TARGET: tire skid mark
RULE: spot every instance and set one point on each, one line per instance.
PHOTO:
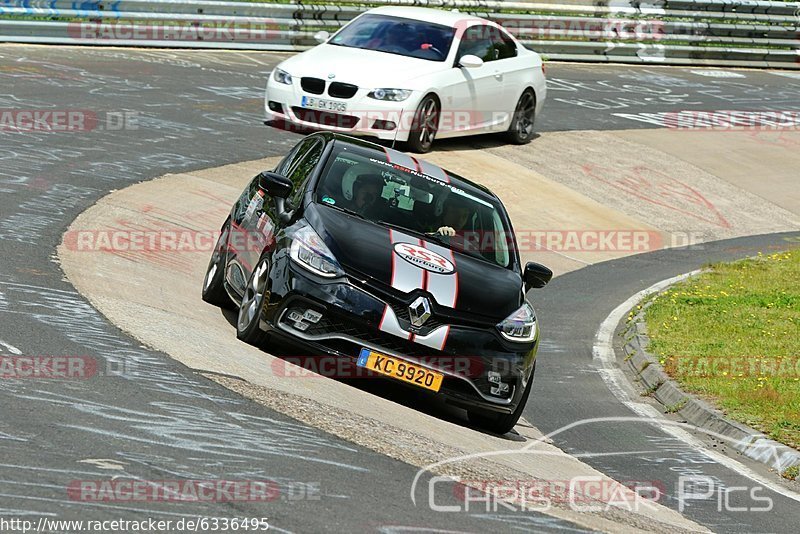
(667, 192)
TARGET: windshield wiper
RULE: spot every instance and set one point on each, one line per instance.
(347, 210)
(433, 236)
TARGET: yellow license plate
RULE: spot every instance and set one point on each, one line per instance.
(400, 369)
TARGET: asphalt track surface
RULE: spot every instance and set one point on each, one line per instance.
(572, 307)
(150, 418)
(158, 420)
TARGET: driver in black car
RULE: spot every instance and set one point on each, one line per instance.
(454, 217)
(366, 190)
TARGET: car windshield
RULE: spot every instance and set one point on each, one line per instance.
(394, 35)
(364, 183)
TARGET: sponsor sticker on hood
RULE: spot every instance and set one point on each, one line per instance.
(424, 258)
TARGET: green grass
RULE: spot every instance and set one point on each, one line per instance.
(791, 473)
(732, 336)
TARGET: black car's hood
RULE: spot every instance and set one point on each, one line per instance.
(366, 249)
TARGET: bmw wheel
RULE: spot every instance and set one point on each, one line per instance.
(521, 130)
(424, 126)
(214, 282)
(248, 327)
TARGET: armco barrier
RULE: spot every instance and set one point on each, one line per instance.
(684, 32)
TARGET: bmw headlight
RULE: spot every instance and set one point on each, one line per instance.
(281, 76)
(310, 252)
(520, 326)
(392, 95)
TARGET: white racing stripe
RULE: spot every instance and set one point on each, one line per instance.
(407, 278)
(432, 170)
(436, 339)
(397, 157)
(443, 287)
(390, 325)
(419, 165)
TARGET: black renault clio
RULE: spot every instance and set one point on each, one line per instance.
(356, 251)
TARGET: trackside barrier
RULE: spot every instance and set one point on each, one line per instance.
(684, 32)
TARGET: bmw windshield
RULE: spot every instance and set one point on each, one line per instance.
(362, 183)
(393, 35)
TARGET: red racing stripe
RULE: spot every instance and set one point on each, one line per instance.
(394, 259)
(416, 164)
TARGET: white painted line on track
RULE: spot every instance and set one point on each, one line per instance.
(603, 354)
(11, 348)
(257, 62)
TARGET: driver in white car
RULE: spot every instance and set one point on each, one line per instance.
(395, 39)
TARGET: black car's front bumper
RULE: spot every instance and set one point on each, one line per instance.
(350, 321)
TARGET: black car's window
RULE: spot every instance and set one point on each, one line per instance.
(289, 159)
(298, 152)
(300, 169)
(395, 35)
(364, 182)
(477, 41)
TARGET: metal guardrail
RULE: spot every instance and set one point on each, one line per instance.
(685, 32)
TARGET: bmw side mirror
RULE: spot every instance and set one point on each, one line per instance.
(274, 184)
(471, 62)
(321, 36)
(536, 275)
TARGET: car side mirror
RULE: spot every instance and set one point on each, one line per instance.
(274, 184)
(278, 187)
(471, 62)
(536, 275)
(321, 36)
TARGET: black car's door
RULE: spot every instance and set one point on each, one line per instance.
(255, 219)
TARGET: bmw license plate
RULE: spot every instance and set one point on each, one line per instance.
(400, 369)
(326, 105)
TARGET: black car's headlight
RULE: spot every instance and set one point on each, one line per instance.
(520, 326)
(393, 95)
(281, 76)
(310, 252)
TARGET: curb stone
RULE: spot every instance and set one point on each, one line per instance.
(748, 441)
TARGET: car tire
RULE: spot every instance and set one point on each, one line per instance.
(424, 125)
(501, 423)
(521, 130)
(256, 293)
(214, 281)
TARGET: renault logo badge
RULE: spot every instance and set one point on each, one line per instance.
(419, 311)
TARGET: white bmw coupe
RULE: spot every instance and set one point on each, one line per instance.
(412, 75)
